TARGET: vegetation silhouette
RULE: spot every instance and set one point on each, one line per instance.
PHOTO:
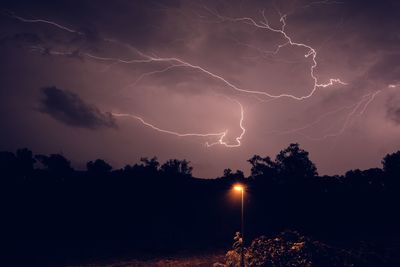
(54, 214)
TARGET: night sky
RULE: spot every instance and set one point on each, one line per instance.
(213, 82)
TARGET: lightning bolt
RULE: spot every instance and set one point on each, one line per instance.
(316, 121)
(311, 52)
(152, 126)
(175, 62)
(238, 139)
(369, 102)
(49, 22)
(221, 135)
(362, 104)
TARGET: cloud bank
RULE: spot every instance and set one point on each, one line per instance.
(68, 108)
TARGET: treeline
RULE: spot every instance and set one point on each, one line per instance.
(53, 213)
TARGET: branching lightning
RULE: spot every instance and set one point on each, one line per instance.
(238, 139)
(348, 120)
(264, 24)
(175, 62)
(361, 105)
(52, 23)
(221, 135)
(369, 102)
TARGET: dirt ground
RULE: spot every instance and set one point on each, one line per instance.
(177, 261)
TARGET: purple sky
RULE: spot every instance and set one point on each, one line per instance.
(187, 67)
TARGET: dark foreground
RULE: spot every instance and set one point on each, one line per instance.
(202, 260)
(53, 215)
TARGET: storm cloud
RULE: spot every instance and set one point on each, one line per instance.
(70, 109)
(98, 51)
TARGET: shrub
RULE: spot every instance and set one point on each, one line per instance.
(290, 249)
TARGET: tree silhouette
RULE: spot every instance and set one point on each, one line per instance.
(152, 206)
(263, 167)
(391, 163)
(391, 167)
(8, 166)
(151, 164)
(177, 168)
(293, 164)
(55, 163)
(98, 167)
(367, 180)
(229, 174)
(25, 161)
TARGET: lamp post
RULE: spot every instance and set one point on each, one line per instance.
(240, 188)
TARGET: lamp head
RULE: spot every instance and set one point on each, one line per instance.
(238, 187)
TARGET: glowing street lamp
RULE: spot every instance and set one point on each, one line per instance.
(240, 188)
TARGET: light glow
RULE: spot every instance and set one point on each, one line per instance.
(238, 187)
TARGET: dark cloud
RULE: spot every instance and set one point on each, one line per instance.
(357, 41)
(70, 109)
